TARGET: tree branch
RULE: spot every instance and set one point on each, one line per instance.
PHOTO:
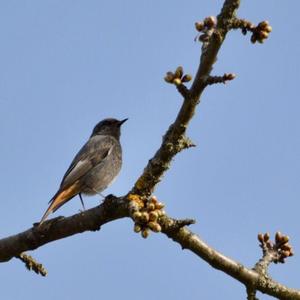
(171, 144)
(32, 264)
(58, 228)
(188, 240)
(114, 208)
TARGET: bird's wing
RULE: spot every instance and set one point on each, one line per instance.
(91, 154)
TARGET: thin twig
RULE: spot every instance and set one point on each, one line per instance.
(32, 264)
(114, 208)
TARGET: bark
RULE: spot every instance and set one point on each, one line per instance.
(173, 142)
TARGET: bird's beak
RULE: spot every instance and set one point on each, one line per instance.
(123, 121)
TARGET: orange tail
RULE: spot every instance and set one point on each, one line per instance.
(60, 198)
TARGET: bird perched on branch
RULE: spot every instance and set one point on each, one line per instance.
(94, 167)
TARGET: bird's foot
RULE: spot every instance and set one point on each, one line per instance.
(103, 197)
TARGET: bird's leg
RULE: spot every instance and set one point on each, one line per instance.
(81, 200)
(98, 193)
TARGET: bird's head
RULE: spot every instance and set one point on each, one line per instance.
(109, 126)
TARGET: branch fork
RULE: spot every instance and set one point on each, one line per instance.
(139, 204)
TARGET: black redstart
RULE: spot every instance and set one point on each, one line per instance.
(94, 167)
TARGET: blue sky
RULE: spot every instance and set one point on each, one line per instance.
(65, 65)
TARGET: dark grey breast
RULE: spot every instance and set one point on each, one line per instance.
(96, 165)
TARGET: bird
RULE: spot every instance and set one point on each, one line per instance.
(94, 167)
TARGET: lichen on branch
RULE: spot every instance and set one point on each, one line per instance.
(137, 203)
